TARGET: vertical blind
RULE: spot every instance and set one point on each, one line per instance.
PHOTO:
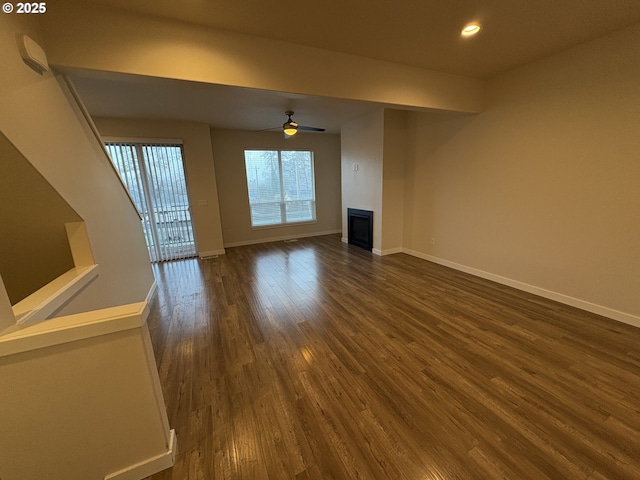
(154, 176)
(281, 186)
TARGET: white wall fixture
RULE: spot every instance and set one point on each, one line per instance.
(32, 54)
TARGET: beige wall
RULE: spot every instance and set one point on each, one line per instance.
(85, 36)
(35, 249)
(393, 180)
(377, 144)
(228, 155)
(362, 145)
(81, 398)
(199, 170)
(542, 188)
(38, 116)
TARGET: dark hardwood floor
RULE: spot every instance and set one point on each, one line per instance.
(317, 360)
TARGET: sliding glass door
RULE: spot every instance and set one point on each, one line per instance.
(154, 177)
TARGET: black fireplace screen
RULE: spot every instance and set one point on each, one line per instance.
(360, 223)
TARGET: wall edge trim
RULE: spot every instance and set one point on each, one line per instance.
(152, 291)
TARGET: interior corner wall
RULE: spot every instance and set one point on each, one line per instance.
(377, 144)
(199, 170)
(228, 154)
(37, 250)
(393, 173)
(541, 188)
(39, 116)
(362, 155)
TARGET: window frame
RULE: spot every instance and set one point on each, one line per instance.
(282, 203)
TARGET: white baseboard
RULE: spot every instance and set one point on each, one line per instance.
(280, 239)
(152, 292)
(542, 292)
(150, 466)
(388, 251)
(377, 251)
(212, 253)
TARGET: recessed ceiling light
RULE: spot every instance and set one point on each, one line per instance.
(470, 30)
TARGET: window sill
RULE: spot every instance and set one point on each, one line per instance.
(284, 225)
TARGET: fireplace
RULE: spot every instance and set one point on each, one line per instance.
(360, 224)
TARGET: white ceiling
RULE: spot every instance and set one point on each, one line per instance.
(422, 33)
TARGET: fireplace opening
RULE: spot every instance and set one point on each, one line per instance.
(360, 225)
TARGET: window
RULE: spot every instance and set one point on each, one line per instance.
(281, 186)
(154, 176)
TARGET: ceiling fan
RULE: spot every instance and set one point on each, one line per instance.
(290, 128)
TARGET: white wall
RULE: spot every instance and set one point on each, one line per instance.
(81, 399)
(377, 144)
(362, 145)
(228, 154)
(393, 180)
(542, 188)
(199, 170)
(37, 115)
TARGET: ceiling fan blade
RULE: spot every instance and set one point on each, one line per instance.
(310, 129)
(279, 127)
(292, 127)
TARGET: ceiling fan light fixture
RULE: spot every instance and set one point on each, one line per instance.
(470, 29)
(290, 128)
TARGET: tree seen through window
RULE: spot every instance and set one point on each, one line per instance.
(280, 186)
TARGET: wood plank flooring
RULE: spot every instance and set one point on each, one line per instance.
(317, 360)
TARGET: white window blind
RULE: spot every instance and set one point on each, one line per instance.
(281, 186)
(154, 176)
